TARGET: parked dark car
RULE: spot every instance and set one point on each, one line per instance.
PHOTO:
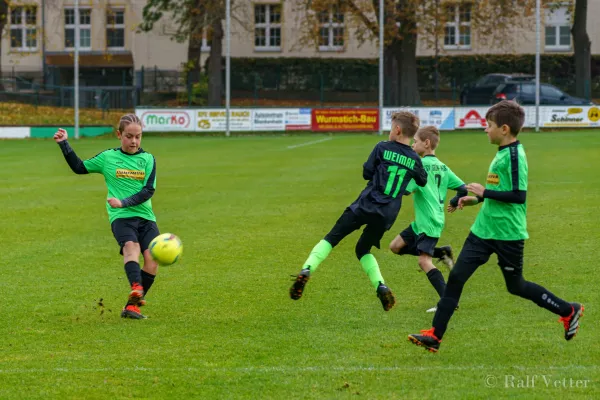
(524, 93)
(480, 92)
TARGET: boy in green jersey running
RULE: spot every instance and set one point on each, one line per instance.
(500, 228)
(130, 176)
(421, 236)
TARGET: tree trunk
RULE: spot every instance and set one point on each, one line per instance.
(390, 74)
(406, 56)
(195, 43)
(3, 21)
(215, 64)
(582, 45)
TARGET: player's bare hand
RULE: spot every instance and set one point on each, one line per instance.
(60, 135)
(476, 188)
(451, 209)
(467, 201)
(115, 203)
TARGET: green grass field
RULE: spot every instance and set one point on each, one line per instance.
(221, 323)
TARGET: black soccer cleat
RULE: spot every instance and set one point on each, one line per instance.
(426, 339)
(448, 256)
(571, 322)
(299, 282)
(386, 297)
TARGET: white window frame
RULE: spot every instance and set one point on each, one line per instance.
(115, 26)
(205, 45)
(330, 26)
(81, 27)
(556, 26)
(23, 27)
(267, 26)
(456, 23)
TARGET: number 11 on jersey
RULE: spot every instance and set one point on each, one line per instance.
(394, 172)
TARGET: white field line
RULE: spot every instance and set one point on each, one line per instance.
(309, 143)
(293, 370)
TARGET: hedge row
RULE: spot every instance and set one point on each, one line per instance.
(300, 74)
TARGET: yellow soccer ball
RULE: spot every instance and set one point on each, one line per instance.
(166, 248)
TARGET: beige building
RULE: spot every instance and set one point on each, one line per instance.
(41, 33)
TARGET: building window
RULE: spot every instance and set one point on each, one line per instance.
(206, 39)
(23, 30)
(85, 28)
(331, 29)
(267, 27)
(558, 29)
(457, 33)
(115, 28)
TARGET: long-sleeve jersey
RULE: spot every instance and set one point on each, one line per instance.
(130, 178)
(503, 215)
(391, 166)
(430, 200)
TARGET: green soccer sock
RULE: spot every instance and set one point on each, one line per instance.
(370, 266)
(317, 255)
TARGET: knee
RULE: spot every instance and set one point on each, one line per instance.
(396, 245)
(456, 278)
(361, 251)
(130, 248)
(515, 286)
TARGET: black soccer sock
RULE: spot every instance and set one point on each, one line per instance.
(147, 281)
(540, 296)
(437, 281)
(447, 305)
(133, 271)
(438, 252)
(445, 309)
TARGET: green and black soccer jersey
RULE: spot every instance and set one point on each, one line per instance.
(503, 215)
(130, 178)
(429, 200)
(391, 166)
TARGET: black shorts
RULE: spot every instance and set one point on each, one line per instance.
(351, 221)
(477, 251)
(417, 244)
(136, 229)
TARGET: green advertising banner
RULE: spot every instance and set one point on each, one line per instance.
(84, 131)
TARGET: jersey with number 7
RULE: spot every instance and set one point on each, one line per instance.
(429, 200)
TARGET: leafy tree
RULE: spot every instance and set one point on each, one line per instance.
(191, 18)
(492, 23)
(3, 21)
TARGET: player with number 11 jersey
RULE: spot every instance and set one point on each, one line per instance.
(390, 168)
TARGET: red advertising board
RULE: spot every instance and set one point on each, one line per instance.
(345, 119)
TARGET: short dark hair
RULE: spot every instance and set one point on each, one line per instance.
(429, 132)
(408, 121)
(507, 112)
(128, 119)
